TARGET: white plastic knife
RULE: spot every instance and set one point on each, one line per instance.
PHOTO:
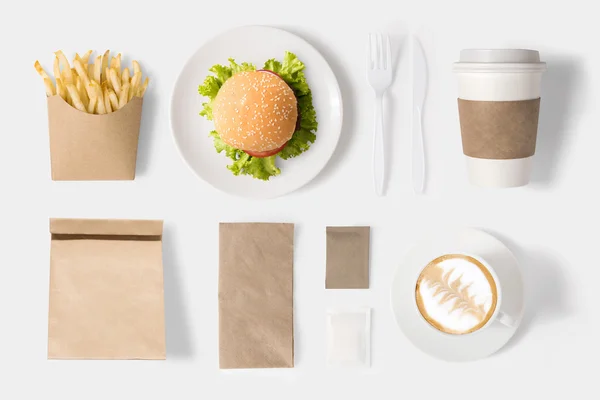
(419, 79)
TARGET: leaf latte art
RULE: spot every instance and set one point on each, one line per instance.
(456, 294)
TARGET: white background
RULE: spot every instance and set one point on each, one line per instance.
(551, 225)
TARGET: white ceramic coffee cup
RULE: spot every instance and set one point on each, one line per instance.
(499, 75)
(498, 316)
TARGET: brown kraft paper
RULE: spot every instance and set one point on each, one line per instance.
(499, 130)
(106, 290)
(256, 328)
(93, 147)
(347, 257)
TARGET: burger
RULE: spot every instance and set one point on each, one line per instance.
(259, 116)
(256, 112)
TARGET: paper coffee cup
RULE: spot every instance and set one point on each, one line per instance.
(499, 104)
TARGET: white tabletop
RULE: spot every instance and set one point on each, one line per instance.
(550, 225)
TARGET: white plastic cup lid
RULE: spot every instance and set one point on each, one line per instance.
(499, 60)
(499, 56)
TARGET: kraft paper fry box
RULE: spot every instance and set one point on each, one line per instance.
(92, 147)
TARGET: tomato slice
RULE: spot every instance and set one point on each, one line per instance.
(263, 154)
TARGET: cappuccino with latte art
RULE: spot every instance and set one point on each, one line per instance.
(456, 294)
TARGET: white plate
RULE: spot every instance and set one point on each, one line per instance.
(254, 44)
(457, 347)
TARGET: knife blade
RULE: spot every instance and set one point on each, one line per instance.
(419, 83)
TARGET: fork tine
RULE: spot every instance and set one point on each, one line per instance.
(388, 52)
(374, 50)
(380, 60)
(374, 53)
(370, 51)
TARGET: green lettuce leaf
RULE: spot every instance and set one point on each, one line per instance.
(244, 164)
(221, 146)
(259, 168)
(291, 70)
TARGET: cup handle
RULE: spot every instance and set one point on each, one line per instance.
(506, 319)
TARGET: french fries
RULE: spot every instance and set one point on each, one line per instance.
(115, 81)
(49, 87)
(98, 69)
(77, 103)
(86, 56)
(124, 96)
(107, 103)
(114, 100)
(94, 85)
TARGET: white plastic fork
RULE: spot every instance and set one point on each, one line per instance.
(379, 73)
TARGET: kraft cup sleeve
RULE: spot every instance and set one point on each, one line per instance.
(106, 290)
(499, 130)
(256, 317)
(93, 147)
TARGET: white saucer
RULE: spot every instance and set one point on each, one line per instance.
(457, 347)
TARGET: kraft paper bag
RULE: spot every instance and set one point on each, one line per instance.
(256, 328)
(348, 257)
(93, 147)
(499, 130)
(106, 290)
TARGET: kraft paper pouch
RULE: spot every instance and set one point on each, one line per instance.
(256, 328)
(348, 257)
(106, 290)
(499, 130)
(93, 147)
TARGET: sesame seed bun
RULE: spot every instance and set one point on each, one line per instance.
(255, 111)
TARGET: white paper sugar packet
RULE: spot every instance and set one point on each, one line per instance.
(349, 337)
